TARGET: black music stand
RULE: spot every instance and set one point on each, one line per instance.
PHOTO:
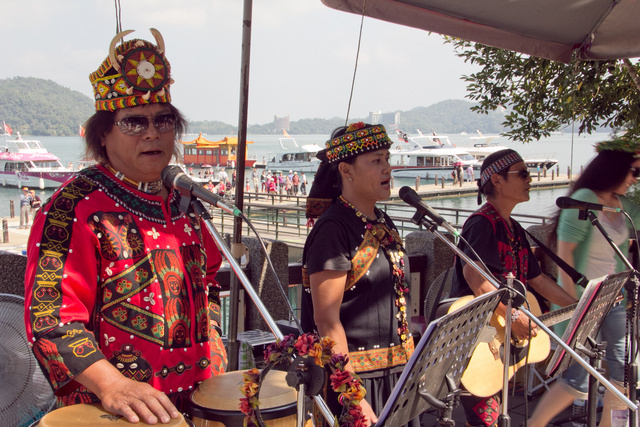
(432, 376)
(593, 307)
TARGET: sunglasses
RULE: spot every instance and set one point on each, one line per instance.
(138, 125)
(634, 171)
(522, 173)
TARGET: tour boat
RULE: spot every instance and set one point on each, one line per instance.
(428, 156)
(223, 153)
(300, 159)
(481, 150)
(26, 163)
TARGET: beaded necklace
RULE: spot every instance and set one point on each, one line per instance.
(391, 244)
(516, 246)
(146, 187)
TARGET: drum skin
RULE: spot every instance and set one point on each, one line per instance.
(216, 401)
(93, 415)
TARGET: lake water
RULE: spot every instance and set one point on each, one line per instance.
(571, 151)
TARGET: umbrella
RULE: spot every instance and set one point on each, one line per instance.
(595, 29)
(206, 166)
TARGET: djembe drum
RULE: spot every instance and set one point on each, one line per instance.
(84, 415)
(216, 401)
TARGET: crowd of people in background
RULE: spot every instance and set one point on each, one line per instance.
(291, 184)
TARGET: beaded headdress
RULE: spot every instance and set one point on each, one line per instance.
(135, 73)
(357, 139)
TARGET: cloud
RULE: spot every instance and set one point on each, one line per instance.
(302, 55)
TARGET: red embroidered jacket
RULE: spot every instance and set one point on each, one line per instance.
(113, 274)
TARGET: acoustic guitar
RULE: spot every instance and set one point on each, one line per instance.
(483, 376)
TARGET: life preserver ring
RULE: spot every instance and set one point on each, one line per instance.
(398, 148)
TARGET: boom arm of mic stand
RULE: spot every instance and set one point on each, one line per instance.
(432, 227)
(246, 283)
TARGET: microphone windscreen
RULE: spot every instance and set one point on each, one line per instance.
(564, 202)
(405, 193)
(169, 174)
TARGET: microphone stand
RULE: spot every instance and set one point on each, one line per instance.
(632, 295)
(189, 202)
(419, 219)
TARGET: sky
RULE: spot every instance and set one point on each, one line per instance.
(302, 60)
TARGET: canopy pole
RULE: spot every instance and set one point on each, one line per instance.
(241, 155)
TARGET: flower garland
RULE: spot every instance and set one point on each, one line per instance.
(348, 384)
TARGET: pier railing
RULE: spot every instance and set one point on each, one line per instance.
(282, 217)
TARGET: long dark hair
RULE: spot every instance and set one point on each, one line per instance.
(605, 172)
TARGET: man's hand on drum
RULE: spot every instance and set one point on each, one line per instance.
(138, 401)
(132, 399)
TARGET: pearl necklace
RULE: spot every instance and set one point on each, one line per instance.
(146, 187)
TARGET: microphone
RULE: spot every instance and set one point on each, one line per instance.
(569, 203)
(412, 198)
(174, 177)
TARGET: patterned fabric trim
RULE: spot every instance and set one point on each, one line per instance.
(498, 166)
(54, 246)
(381, 358)
(116, 311)
(147, 209)
(363, 258)
(487, 411)
(512, 253)
(360, 263)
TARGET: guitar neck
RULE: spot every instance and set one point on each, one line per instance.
(557, 316)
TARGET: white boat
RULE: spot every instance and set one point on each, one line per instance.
(483, 146)
(481, 150)
(301, 158)
(25, 162)
(428, 156)
(542, 161)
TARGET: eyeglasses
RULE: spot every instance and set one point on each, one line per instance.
(635, 171)
(522, 173)
(138, 125)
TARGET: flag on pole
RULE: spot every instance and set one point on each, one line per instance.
(80, 130)
(7, 129)
(284, 132)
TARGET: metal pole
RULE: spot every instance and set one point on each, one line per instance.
(240, 160)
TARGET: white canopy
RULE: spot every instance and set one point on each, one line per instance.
(552, 29)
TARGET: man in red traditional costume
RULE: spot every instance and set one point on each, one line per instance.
(121, 303)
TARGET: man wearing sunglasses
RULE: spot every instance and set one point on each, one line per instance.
(122, 306)
(501, 244)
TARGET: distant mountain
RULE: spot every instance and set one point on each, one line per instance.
(452, 116)
(42, 107)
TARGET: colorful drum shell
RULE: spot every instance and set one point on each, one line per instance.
(94, 415)
(216, 402)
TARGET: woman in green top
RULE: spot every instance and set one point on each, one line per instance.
(604, 181)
